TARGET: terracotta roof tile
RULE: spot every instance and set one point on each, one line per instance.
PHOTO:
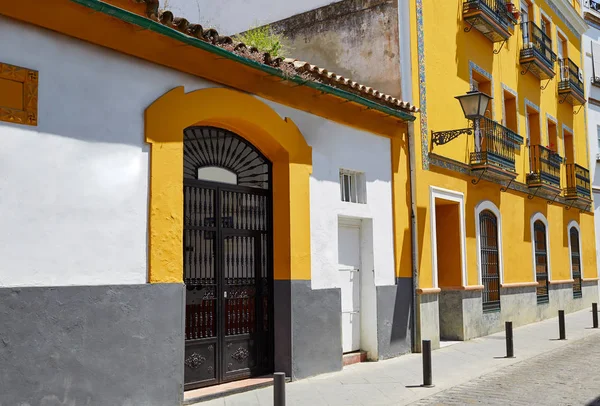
(305, 69)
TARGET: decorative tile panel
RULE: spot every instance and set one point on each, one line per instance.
(422, 94)
(18, 95)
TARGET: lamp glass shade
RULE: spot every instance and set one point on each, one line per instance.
(474, 103)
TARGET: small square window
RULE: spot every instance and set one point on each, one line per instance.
(353, 187)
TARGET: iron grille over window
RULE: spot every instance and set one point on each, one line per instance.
(490, 268)
(352, 186)
(575, 262)
(541, 261)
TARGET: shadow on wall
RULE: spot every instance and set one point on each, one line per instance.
(534, 206)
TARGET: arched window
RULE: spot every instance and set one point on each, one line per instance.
(540, 247)
(575, 260)
(490, 260)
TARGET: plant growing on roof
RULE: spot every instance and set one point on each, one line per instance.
(265, 40)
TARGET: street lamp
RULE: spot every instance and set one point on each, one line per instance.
(474, 105)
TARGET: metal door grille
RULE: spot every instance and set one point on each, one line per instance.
(575, 263)
(227, 260)
(541, 262)
(490, 264)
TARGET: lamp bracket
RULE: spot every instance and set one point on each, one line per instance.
(443, 137)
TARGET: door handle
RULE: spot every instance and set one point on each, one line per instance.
(351, 312)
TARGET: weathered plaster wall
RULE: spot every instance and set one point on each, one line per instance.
(358, 39)
(75, 188)
(239, 15)
(92, 345)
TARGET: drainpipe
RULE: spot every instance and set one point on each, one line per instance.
(405, 63)
(413, 234)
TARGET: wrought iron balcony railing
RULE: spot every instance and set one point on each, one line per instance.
(578, 182)
(493, 18)
(495, 146)
(545, 167)
(537, 52)
(570, 84)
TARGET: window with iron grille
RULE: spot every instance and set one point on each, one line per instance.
(353, 186)
(541, 261)
(490, 260)
(575, 262)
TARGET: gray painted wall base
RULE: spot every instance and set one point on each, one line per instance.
(394, 318)
(459, 314)
(316, 330)
(92, 345)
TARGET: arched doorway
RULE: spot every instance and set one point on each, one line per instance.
(227, 258)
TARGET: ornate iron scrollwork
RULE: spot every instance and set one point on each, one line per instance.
(443, 137)
(240, 354)
(195, 360)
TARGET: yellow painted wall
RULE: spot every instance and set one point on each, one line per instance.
(448, 51)
(448, 245)
(279, 139)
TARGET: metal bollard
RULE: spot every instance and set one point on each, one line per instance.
(595, 314)
(561, 325)
(510, 351)
(279, 389)
(426, 349)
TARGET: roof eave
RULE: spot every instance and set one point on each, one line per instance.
(159, 28)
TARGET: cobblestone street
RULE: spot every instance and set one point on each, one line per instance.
(546, 371)
(567, 376)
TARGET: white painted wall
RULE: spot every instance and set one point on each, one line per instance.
(336, 146)
(593, 120)
(233, 16)
(74, 189)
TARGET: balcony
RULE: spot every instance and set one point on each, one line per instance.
(536, 56)
(495, 147)
(578, 184)
(570, 87)
(490, 17)
(545, 169)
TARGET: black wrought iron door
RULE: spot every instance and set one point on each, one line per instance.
(227, 260)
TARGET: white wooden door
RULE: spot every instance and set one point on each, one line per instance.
(349, 276)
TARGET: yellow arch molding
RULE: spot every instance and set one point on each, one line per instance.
(279, 139)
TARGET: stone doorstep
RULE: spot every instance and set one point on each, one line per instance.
(354, 358)
(230, 388)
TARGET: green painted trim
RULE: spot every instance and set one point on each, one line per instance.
(157, 27)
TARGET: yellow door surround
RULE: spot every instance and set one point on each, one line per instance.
(278, 139)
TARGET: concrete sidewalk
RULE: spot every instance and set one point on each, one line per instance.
(396, 381)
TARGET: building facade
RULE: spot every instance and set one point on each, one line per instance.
(507, 178)
(591, 54)
(190, 213)
(493, 187)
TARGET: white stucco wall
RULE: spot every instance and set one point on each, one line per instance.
(336, 146)
(233, 16)
(74, 189)
(593, 122)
